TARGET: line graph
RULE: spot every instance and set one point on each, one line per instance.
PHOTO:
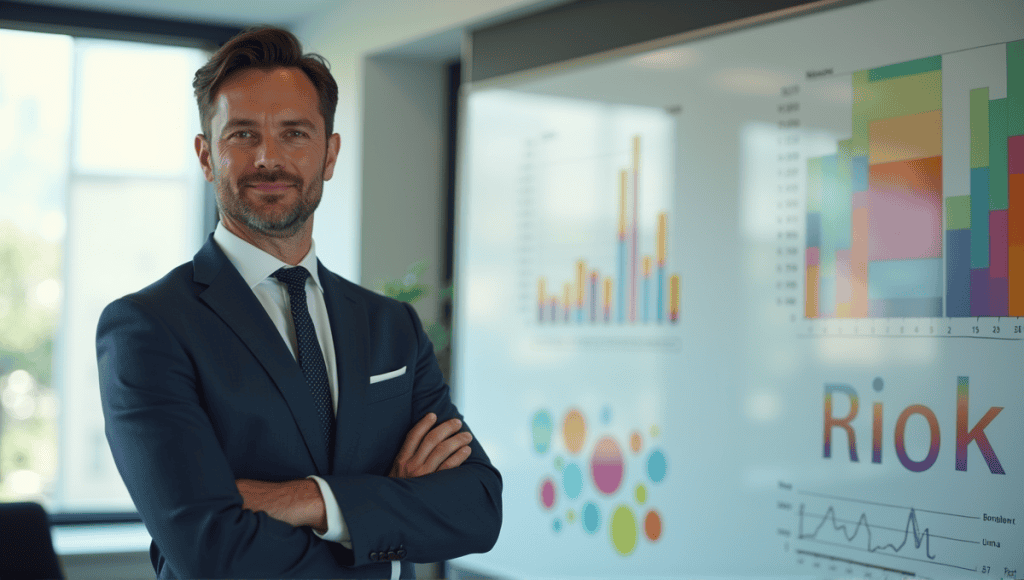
(884, 529)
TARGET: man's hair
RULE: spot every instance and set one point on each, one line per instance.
(264, 48)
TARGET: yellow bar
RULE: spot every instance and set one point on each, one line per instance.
(608, 292)
(623, 178)
(581, 281)
(673, 294)
(568, 296)
(660, 242)
(647, 266)
(541, 294)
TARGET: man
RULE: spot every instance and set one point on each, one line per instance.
(269, 418)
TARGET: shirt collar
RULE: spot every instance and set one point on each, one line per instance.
(254, 264)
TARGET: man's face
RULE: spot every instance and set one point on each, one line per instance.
(267, 155)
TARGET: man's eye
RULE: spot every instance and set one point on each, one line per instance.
(242, 134)
(298, 133)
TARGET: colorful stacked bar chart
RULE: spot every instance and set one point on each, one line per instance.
(652, 299)
(874, 212)
(985, 227)
(876, 242)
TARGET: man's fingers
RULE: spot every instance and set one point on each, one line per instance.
(436, 436)
(415, 436)
(446, 449)
(456, 458)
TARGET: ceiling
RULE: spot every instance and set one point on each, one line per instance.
(226, 12)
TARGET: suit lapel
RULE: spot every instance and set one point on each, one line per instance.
(351, 333)
(234, 302)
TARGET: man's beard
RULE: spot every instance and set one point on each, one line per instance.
(230, 201)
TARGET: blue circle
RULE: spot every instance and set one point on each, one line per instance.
(541, 431)
(572, 480)
(656, 466)
(591, 517)
(606, 415)
(878, 384)
(557, 525)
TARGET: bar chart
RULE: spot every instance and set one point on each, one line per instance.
(641, 291)
(887, 236)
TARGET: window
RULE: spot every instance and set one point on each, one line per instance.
(102, 196)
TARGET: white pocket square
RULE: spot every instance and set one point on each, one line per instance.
(386, 376)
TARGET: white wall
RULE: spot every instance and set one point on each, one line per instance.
(346, 35)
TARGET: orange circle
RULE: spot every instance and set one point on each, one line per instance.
(636, 442)
(652, 526)
(574, 430)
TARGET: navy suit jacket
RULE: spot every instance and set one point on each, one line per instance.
(199, 389)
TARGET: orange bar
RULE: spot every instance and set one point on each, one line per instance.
(673, 293)
(660, 241)
(541, 292)
(811, 289)
(647, 266)
(908, 137)
(636, 153)
(1016, 243)
(607, 293)
(581, 281)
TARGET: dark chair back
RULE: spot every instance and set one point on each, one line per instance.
(26, 550)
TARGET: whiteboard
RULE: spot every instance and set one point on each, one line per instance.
(752, 304)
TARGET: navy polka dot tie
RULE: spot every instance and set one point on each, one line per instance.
(311, 358)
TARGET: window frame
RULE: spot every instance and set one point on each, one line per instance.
(84, 23)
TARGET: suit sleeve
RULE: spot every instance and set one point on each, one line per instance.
(435, 517)
(168, 454)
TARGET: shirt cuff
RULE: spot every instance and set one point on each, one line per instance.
(337, 530)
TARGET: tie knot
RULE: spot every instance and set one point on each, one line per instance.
(295, 277)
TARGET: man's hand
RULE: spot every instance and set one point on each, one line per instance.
(297, 502)
(424, 453)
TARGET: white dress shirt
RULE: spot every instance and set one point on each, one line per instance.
(256, 267)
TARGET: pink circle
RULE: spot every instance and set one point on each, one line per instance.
(547, 493)
(606, 466)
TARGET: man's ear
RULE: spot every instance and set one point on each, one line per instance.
(203, 152)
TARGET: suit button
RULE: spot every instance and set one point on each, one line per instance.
(401, 554)
(373, 556)
(392, 556)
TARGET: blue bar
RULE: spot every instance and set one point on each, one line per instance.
(814, 231)
(892, 279)
(906, 308)
(958, 273)
(661, 294)
(859, 173)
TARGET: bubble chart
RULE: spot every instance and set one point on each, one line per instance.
(574, 430)
(652, 525)
(542, 429)
(656, 466)
(636, 442)
(591, 517)
(641, 494)
(572, 480)
(606, 465)
(623, 530)
(547, 493)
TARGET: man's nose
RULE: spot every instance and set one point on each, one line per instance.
(268, 154)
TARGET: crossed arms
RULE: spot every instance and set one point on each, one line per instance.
(300, 503)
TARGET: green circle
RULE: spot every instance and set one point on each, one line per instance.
(570, 516)
(559, 464)
(623, 530)
(641, 494)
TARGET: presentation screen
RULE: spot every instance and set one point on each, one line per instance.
(752, 304)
